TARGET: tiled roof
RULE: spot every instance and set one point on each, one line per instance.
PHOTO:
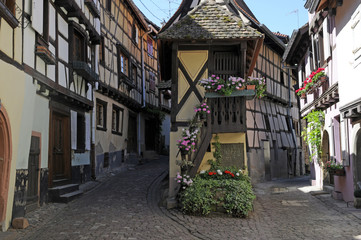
(210, 20)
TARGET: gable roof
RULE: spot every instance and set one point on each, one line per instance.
(209, 20)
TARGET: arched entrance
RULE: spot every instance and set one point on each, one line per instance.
(5, 159)
(357, 162)
(327, 179)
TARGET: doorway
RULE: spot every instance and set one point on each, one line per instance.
(327, 177)
(132, 134)
(357, 171)
(5, 159)
(59, 163)
(32, 197)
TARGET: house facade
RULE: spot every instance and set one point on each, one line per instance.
(14, 89)
(78, 98)
(126, 96)
(329, 41)
(224, 38)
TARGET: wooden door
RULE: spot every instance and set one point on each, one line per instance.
(5, 158)
(132, 134)
(60, 146)
(150, 135)
(33, 168)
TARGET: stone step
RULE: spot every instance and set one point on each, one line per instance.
(60, 190)
(68, 197)
(60, 182)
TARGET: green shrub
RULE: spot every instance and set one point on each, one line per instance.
(198, 198)
(235, 196)
(238, 199)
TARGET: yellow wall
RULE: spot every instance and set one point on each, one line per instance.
(223, 138)
(12, 96)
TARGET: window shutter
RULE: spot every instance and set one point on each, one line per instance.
(74, 119)
(136, 35)
(37, 16)
(87, 131)
(326, 39)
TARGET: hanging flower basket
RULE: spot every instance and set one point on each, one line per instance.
(340, 172)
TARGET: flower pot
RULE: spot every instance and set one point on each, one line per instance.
(241, 88)
(357, 202)
(340, 172)
(251, 87)
(303, 95)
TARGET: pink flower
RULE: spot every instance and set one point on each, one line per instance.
(204, 109)
(208, 111)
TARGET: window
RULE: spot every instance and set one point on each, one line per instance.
(80, 135)
(10, 4)
(318, 50)
(109, 5)
(151, 82)
(150, 46)
(101, 115)
(101, 51)
(135, 34)
(117, 120)
(356, 35)
(123, 64)
(134, 74)
(78, 47)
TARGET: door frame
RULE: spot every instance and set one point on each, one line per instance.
(4, 183)
(63, 111)
(38, 135)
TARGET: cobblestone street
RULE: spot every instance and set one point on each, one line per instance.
(126, 207)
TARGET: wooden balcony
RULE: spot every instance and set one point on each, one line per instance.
(44, 53)
(83, 69)
(228, 115)
(8, 15)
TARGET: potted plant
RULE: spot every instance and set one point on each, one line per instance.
(222, 86)
(335, 168)
(202, 110)
(188, 141)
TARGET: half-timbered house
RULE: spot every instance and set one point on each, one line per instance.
(59, 45)
(224, 38)
(126, 96)
(331, 40)
(14, 92)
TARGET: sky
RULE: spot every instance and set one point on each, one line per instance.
(278, 15)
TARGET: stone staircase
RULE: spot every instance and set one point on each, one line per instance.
(63, 191)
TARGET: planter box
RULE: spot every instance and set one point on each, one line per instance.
(249, 94)
(357, 202)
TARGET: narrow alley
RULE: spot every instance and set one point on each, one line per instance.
(126, 207)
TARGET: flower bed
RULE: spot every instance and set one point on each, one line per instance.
(203, 196)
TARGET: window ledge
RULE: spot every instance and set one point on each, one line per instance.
(117, 133)
(102, 128)
(8, 16)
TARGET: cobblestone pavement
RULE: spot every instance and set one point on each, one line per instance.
(125, 207)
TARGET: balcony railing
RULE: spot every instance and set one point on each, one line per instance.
(83, 69)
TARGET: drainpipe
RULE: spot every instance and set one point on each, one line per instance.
(143, 88)
(294, 138)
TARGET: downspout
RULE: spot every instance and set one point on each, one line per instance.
(294, 138)
(143, 89)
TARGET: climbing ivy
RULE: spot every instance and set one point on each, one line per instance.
(312, 133)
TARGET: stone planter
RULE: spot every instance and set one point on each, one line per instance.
(357, 202)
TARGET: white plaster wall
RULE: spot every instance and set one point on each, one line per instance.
(29, 39)
(41, 125)
(349, 75)
(63, 49)
(63, 26)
